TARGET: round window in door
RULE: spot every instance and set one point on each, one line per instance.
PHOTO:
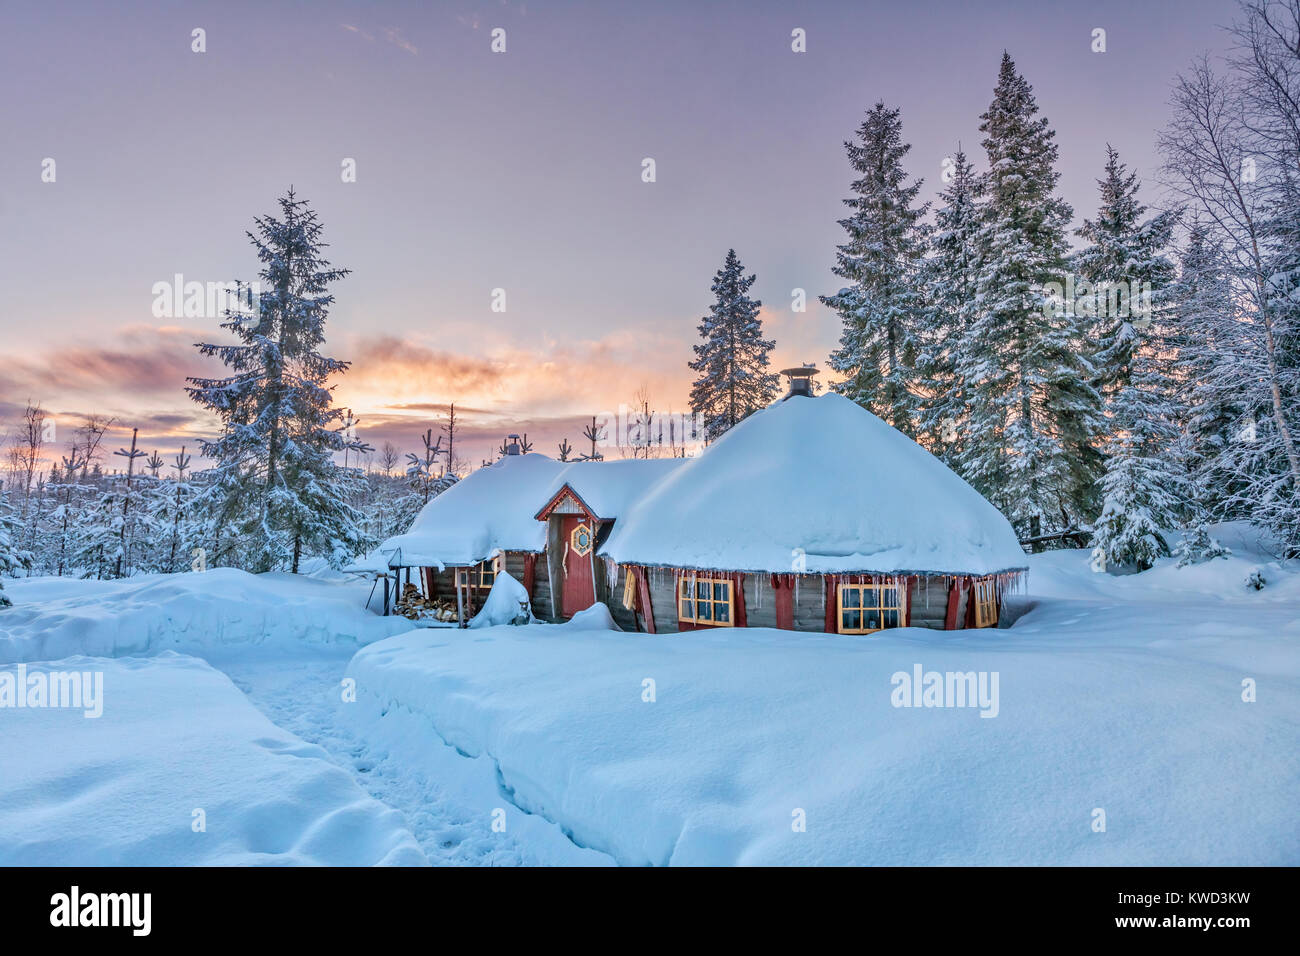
(580, 540)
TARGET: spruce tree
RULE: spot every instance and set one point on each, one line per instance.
(1034, 412)
(1144, 488)
(1204, 390)
(948, 279)
(1278, 499)
(278, 489)
(175, 516)
(1123, 297)
(882, 310)
(1127, 272)
(1198, 546)
(733, 358)
(10, 558)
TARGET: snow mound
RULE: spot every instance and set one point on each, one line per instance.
(822, 481)
(1104, 702)
(594, 618)
(176, 737)
(188, 612)
(1068, 574)
(506, 603)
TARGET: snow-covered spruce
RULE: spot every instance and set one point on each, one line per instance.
(1128, 278)
(948, 277)
(732, 361)
(1034, 412)
(10, 561)
(277, 491)
(1198, 546)
(881, 310)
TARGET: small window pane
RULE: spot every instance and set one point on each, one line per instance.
(871, 620)
(702, 590)
(688, 608)
(870, 597)
(719, 591)
(706, 611)
(889, 597)
(852, 597)
(852, 620)
(890, 618)
(722, 613)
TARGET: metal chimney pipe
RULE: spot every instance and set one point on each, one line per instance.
(800, 379)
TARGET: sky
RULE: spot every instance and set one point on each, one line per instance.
(479, 170)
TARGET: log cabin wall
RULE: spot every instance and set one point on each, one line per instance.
(543, 603)
(760, 601)
(809, 603)
(808, 599)
(929, 601)
(552, 567)
(928, 596)
(444, 584)
(663, 598)
(611, 592)
(514, 565)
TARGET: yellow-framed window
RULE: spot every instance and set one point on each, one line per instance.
(986, 604)
(702, 599)
(482, 576)
(581, 540)
(867, 608)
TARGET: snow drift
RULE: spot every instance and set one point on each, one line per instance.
(193, 612)
(178, 745)
(708, 747)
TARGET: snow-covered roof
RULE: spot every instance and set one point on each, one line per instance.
(490, 509)
(495, 508)
(817, 484)
(610, 488)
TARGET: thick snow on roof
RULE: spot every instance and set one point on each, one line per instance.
(610, 488)
(490, 509)
(822, 480)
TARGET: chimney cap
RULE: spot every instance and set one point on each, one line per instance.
(800, 378)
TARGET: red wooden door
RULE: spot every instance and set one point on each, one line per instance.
(578, 541)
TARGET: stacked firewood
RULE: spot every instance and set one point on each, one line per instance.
(415, 606)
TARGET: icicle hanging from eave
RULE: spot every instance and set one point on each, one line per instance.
(611, 575)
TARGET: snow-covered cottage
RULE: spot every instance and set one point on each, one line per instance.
(811, 515)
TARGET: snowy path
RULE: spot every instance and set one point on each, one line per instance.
(302, 695)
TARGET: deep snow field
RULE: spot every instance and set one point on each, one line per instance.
(308, 730)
